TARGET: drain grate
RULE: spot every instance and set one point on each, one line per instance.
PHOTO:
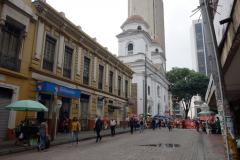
(163, 145)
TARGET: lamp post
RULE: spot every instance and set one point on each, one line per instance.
(145, 111)
(205, 108)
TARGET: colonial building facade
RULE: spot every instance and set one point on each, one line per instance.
(47, 55)
(135, 47)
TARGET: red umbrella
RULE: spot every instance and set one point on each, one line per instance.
(133, 115)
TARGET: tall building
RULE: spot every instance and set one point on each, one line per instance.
(137, 48)
(200, 62)
(152, 12)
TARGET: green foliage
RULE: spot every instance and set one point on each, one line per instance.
(186, 83)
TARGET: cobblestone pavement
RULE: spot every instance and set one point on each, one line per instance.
(123, 146)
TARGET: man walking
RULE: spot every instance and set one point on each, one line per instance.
(112, 124)
(131, 125)
(153, 123)
(178, 124)
(159, 123)
(96, 118)
(141, 125)
(183, 124)
(98, 128)
(197, 125)
(169, 125)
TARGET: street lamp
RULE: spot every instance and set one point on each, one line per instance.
(205, 108)
(146, 86)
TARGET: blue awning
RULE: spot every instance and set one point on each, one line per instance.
(50, 87)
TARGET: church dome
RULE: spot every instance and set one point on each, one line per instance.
(155, 41)
(135, 16)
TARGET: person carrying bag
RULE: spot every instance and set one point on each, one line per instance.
(76, 127)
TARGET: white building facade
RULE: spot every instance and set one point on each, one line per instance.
(136, 45)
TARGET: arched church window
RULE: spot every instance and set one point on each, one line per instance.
(139, 28)
(156, 50)
(130, 49)
(158, 91)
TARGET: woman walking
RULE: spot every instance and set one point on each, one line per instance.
(43, 132)
(76, 127)
(141, 125)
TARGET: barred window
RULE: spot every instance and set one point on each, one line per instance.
(119, 86)
(9, 47)
(126, 89)
(100, 77)
(86, 71)
(48, 58)
(111, 82)
(67, 62)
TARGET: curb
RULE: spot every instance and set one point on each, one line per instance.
(11, 151)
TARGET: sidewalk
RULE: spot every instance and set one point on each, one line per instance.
(9, 147)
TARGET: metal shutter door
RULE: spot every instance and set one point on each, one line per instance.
(4, 116)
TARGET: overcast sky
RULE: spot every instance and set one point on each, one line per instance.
(102, 19)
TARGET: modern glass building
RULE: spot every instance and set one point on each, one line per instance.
(200, 62)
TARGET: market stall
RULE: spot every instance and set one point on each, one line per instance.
(27, 130)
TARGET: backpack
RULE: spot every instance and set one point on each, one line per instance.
(141, 122)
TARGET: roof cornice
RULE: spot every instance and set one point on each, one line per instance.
(67, 25)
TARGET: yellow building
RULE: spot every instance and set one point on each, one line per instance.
(54, 56)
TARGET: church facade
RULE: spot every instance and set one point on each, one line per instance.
(135, 46)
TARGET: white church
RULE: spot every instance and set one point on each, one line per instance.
(134, 44)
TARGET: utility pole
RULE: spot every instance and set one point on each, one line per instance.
(145, 87)
(219, 83)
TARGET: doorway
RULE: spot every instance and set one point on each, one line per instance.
(84, 104)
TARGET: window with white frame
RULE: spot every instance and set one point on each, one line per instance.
(86, 70)
(10, 42)
(100, 77)
(111, 82)
(67, 64)
(130, 49)
(48, 57)
(119, 85)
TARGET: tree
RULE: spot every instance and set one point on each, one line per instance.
(186, 83)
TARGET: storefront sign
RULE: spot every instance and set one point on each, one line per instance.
(50, 87)
(100, 103)
(119, 103)
(167, 113)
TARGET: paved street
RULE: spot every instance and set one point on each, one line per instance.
(127, 146)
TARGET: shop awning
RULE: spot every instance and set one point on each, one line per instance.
(113, 107)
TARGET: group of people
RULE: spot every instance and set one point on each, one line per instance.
(43, 132)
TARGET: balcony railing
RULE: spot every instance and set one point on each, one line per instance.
(66, 73)
(11, 63)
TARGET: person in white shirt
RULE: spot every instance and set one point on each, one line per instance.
(127, 121)
(95, 121)
(112, 124)
(178, 124)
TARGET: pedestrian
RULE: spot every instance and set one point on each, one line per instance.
(163, 122)
(192, 127)
(76, 127)
(131, 125)
(43, 132)
(169, 125)
(197, 125)
(159, 123)
(63, 126)
(135, 123)
(66, 125)
(112, 124)
(127, 121)
(153, 124)
(95, 120)
(106, 123)
(141, 125)
(218, 126)
(183, 124)
(98, 127)
(178, 124)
